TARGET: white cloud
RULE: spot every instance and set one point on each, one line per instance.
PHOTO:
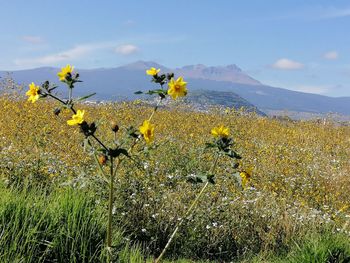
(287, 64)
(331, 55)
(33, 39)
(127, 49)
(67, 55)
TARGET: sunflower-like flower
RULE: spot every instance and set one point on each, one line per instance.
(33, 92)
(77, 118)
(147, 130)
(177, 88)
(152, 71)
(246, 177)
(64, 71)
(220, 131)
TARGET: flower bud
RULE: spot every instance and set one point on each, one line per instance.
(102, 159)
(57, 111)
(170, 76)
(114, 126)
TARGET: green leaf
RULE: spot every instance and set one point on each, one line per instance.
(85, 97)
(132, 132)
(210, 178)
(233, 154)
(201, 178)
(156, 91)
(210, 145)
(118, 151)
(196, 179)
(53, 88)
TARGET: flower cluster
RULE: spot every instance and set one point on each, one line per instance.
(176, 88)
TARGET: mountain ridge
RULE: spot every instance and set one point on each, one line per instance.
(121, 82)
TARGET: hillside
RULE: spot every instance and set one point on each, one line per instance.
(223, 98)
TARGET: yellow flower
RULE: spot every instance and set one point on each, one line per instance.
(152, 71)
(64, 71)
(177, 88)
(147, 130)
(77, 118)
(245, 176)
(220, 131)
(33, 92)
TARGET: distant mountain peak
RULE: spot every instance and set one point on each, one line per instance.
(233, 67)
(193, 67)
(142, 65)
(231, 73)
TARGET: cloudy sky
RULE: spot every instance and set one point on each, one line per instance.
(296, 44)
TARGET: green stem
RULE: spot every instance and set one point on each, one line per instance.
(70, 88)
(58, 99)
(155, 109)
(101, 143)
(75, 112)
(110, 212)
(188, 212)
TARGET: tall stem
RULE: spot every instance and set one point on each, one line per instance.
(110, 212)
(188, 212)
(155, 109)
(70, 94)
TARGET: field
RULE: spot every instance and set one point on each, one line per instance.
(53, 201)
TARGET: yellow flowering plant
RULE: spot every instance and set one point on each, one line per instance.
(65, 74)
(101, 151)
(112, 153)
(77, 118)
(220, 131)
(33, 93)
(152, 71)
(245, 177)
(222, 144)
(147, 130)
(177, 88)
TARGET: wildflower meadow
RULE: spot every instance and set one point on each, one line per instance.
(155, 180)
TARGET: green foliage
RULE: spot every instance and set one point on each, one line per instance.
(322, 248)
(65, 226)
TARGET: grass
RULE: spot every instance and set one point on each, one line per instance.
(61, 226)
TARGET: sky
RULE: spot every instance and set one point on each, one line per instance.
(302, 45)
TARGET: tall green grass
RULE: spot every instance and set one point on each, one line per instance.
(64, 226)
(61, 227)
(326, 248)
(67, 225)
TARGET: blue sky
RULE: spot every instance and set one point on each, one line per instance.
(299, 45)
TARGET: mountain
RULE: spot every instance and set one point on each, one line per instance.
(230, 73)
(122, 82)
(271, 98)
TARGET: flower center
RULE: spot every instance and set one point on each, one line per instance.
(149, 133)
